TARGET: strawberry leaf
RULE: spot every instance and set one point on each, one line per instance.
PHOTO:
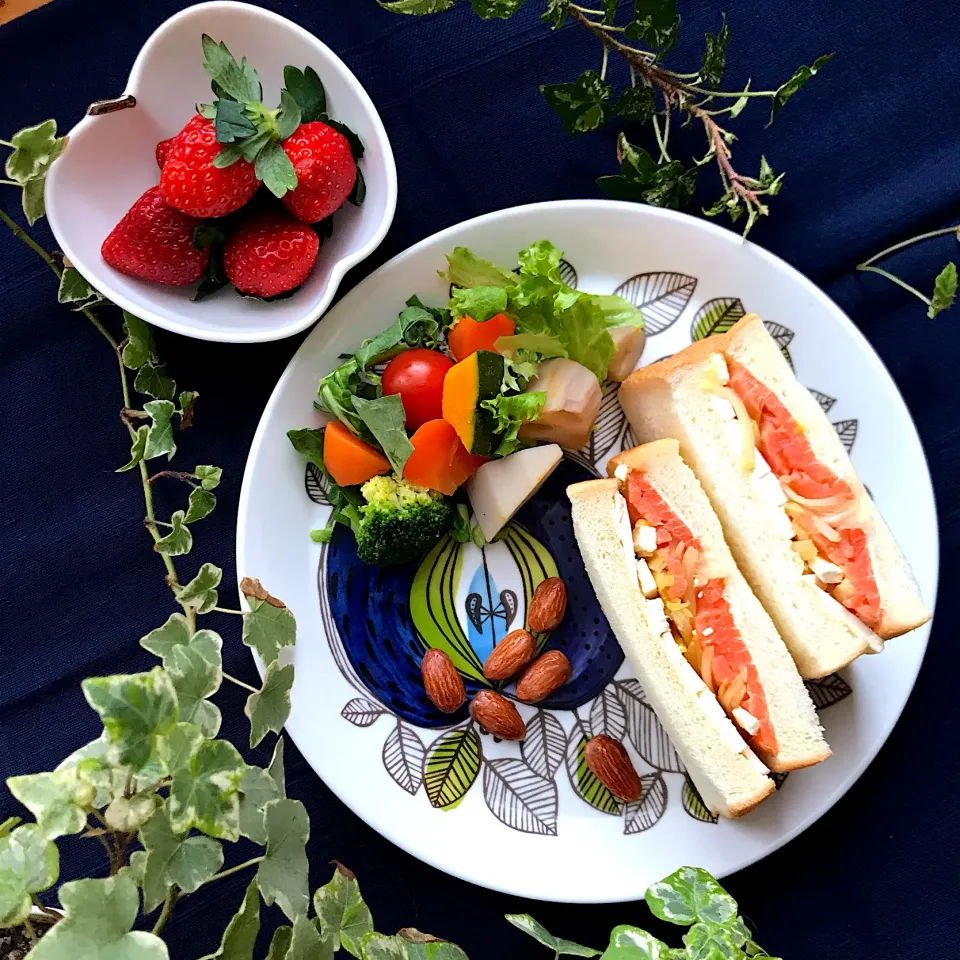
(288, 119)
(239, 80)
(356, 144)
(357, 194)
(306, 87)
(232, 123)
(275, 169)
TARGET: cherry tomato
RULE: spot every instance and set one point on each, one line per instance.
(417, 375)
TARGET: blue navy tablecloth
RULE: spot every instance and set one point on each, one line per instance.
(871, 152)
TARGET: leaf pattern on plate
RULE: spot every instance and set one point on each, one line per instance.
(847, 432)
(661, 297)
(545, 744)
(608, 428)
(568, 274)
(316, 485)
(607, 715)
(362, 712)
(642, 814)
(694, 805)
(825, 400)
(451, 767)
(649, 739)
(403, 755)
(520, 797)
(716, 316)
(827, 691)
(583, 781)
(782, 335)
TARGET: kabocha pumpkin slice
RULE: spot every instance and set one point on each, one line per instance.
(465, 387)
(349, 459)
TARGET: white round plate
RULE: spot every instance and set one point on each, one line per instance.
(429, 783)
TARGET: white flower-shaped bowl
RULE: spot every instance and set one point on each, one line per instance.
(110, 161)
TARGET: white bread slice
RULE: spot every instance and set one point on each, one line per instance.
(668, 399)
(799, 735)
(729, 782)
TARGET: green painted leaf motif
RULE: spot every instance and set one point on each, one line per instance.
(160, 434)
(688, 895)
(343, 915)
(58, 801)
(200, 504)
(716, 316)
(496, 9)
(29, 863)
(565, 948)
(208, 476)
(632, 943)
(98, 924)
(200, 593)
(694, 806)
(173, 858)
(257, 789)
(306, 942)
(280, 943)
(583, 105)
(135, 710)
(306, 87)
(204, 792)
(178, 541)
(137, 449)
(35, 149)
(282, 874)
(196, 672)
(533, 560)
(584, 782)
(268, 709)
(453, 763)
(786, 90)
(153, 381)
(416, 7)
(74, 288)
(138, 348)
(267, 628)
(240, 937)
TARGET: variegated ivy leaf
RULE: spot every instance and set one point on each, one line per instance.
(200, 504)
(257, 789)
(196, 671)
(98, 924)
(688, 895)
(135, 710)
(205, 791)
(178, 747)
(240, 937)
(269, 625)
(526, 923)
(632, 943)
(174, 858)
(91, 766)
(35, 149)
(306, 943)
(377, 946)
(137, 449)
(276, 769)
(59, 801)
(129, 814)
(74, 288)
(707, 941)
(160, 433)
(138, 348)
(152, 380)
(341, 911)
(8, 825)
(269, 708)
(280, 943)
(29, 863)
(179, 540)
(282, 873)
(201, 592)
(175, 632)
(188, 399)
(208, 476)
(32, 200)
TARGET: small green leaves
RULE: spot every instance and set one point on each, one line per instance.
(632, 943)
(787, 89)
(204, 791)
(384, 418)
(135, 710)
(268, 709)
(33, 202)
(75, 289)
(208, 476)
(240, 937)
(59, 801)
(29, 863)
(289, 117)
(306, 942)
(137, 449)
(269, 625)
(280, 943)
(715, 56)
(196, 672)
(128, 815)
(583, 105)
(707, 941)
(636, 104)
(187, 401)
(556, 13)
(656, 23)
(944, 290)
(416, 7)
(138, 347)
(561, 947)
(98, 924)
(232, 123)
(35, 149)
(274, 168)
(160, 434)
(257, 789)
(282, 873)
(178, 541)
(238, 80)
(8, 825)
(343, 916)
(496, 9)
(306, 88)
(688, 895)
(200, 504)
(642, 180)
(152, 380)
(201, 593)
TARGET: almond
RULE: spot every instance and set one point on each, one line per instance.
(611, 765)
(443, 683)
(548, 606)
(547, 673)
(510, 655)
(497, 715)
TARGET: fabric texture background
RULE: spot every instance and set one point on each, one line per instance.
(870, 151)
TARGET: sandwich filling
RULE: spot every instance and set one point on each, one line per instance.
(670, 563)
(822, 508)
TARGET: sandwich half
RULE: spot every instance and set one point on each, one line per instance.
(728, 774)
(802, 528)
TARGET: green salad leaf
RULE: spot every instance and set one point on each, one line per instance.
(417, 326)
(346, 501)
(384, 418)
(466, 269)
(479, 303)
(336, 392)
(511, 413)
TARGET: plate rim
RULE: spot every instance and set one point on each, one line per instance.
(776, 262)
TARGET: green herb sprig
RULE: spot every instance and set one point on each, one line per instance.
(656, 94)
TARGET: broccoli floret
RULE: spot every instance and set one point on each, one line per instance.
(400, 521)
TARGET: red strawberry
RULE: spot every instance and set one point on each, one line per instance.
(155, 242)
(191, 183)
(270, 254)
(163, 148)
(325, 170)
